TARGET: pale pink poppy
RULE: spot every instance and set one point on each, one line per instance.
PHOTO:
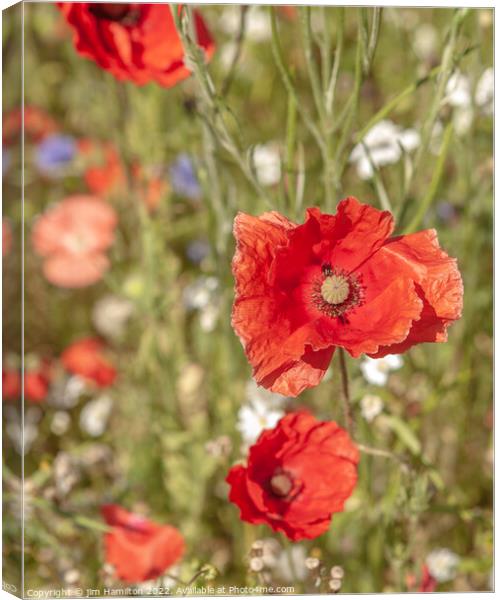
(73, 237)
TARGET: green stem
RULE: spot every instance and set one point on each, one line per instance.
(345, 393)
(447, 66)
(288, 83)
(332, 84)
(305, 21)
(436, 177)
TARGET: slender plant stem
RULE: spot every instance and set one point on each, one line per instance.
(226, 85)
(436, 178)
(382, 453)
(288, 83)
(346, 396)
(373, 40)
(447, 66)
(332, 84)
(215, 105)
(407, 91)
(326, 49)
(305, 21)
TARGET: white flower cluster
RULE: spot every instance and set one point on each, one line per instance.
(459, 95)
(376, 370)
(442, 564)
(384, 144)
(262, 410)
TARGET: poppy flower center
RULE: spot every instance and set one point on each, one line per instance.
(335, 289)
(281, 484)
(122, 13)
(336, 292)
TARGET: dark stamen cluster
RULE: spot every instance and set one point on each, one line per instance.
(354, 299)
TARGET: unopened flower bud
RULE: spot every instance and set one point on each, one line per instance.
(312, 563)
(337, 572)
(256, 564)
(335, 584)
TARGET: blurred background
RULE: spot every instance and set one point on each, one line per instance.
(167, 405)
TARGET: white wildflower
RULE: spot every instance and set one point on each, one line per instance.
(209, 315)
(199, 293)
(110, 315)
(425, 41)
(257, 25)
(297, 558)
(66, 391)
(458, 91)
(254, 417)
(267, 163)
(22, 439)
(382, 145)
(442, 564)
(371, 407)
(95, 414)
(60, 422)
(376, 370)
(256, 393)
(485, 91)
(66, 471)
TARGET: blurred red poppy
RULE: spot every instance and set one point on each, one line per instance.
(72, 237)
(87, 358)
(297, 475)
(336, 280)
(135, 42)
(11, 384)
(104, 173)
(37, 381)
(152, 186)
(427, 583)
(37, 125)
(138, 548)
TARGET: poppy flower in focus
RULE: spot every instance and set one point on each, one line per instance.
(297, 475)
(87, 358)
(135, 42)
(72, 238)
(104, 173)
(138, 548)
(336, 280)
(11, 384)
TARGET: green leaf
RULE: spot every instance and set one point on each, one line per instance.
(404, 433)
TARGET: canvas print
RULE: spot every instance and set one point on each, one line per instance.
(247, 299)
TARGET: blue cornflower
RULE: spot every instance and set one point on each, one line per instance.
(54, 153)
(183, 178)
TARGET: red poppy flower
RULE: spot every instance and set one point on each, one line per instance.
(104, 173)
(11, 384)
(139, 549)
(37, 381)
(87, 358)
(72, 237)
(136, 42)
(336, 280)
(152, 186)
(297, 475)
(427, 583)
(37, 125)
